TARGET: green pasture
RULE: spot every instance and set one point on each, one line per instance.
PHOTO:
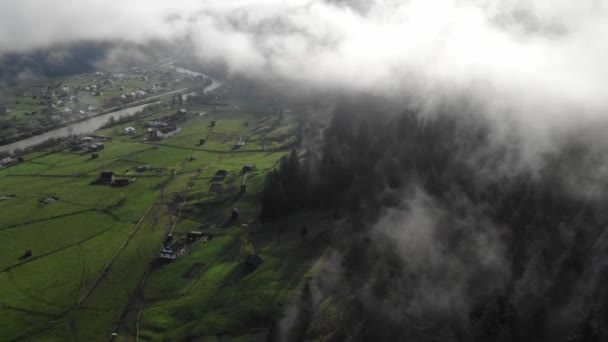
(92, 248)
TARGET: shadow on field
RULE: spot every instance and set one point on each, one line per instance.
(158, 263)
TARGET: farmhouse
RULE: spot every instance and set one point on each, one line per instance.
(8, 161)
(96, 147)
(106, 177)
(182, 111)
(248, 168)
(194, 236)
(49, 200)
(129, 131)
(172, 250)
(240, 142)
(167, 253)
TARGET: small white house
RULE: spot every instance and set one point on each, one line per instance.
(167, 253)
(129, 131)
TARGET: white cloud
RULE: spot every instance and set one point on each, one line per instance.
(539, 61)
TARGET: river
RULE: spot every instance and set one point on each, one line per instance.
(87, 126)
(92, 124)
(214, 83)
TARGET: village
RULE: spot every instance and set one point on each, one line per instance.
(43, 105)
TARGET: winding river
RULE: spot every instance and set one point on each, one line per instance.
(92, 124)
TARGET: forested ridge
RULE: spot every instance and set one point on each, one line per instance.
(444, 235)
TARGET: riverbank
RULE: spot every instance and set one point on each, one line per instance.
(82, 127)
(94, 122)
(146, 101)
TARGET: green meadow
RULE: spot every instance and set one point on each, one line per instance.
(93, 269)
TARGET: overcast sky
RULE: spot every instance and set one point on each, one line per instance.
(538, 61)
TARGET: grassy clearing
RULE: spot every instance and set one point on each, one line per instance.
(51, 235)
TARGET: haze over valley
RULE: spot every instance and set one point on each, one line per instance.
(326, 170)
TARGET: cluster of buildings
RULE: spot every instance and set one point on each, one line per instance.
(159, 127)
(55, 94)
(90, 144)
(108, 177)
(132, 96)
(172, 249)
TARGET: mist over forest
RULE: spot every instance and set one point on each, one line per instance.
(443, 236)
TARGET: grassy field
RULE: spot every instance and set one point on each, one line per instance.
(93, 268)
